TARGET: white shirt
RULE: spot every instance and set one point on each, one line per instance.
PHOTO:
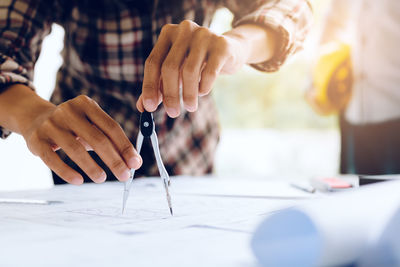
(373, 29)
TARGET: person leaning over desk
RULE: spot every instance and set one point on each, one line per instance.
(127, 56)
(370, 123)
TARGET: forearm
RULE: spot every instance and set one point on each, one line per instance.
(261, 42)
(19, 106)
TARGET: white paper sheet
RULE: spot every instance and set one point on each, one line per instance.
(358, 226)
(210, 217)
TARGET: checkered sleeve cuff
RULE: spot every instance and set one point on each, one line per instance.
(10, 73)
(290, 19)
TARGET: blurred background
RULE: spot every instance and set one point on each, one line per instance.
(268, 129)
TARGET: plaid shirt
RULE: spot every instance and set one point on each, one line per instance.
(105, 48)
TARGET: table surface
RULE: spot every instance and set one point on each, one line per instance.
(212, 224)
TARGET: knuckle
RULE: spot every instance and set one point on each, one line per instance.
(167, 28)
(113, 126)
(59, 113)
(99, 139)
(187, 24)
(210, 73)
(189, 71)
(83, 99)
(126, 149)
(170, 99)
(55, 120)
(117, 165)
(45, 130)
(66, 104)
(169, 68)
(47, 125)
(151, 62)
(93, 171)
(148, 89)
(222, 43)
(189, 96)
(77, 148)
(202, 32)
(69, 106)
(60, 117)
(64, 108)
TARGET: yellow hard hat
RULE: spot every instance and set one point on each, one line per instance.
(332, 79)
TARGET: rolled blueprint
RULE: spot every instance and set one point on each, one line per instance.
(361, 227)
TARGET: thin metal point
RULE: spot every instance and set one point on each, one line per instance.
(170, 210)
(125, 198)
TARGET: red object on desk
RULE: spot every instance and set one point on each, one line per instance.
(336, 183)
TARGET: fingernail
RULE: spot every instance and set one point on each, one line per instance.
(125, 176)
(102, 177)
(77, 181)
(190, 107)
(149, 104)
(135, 163)
(203, 93)
(172, 112)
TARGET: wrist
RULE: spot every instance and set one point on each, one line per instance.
(260, 42)
(20, 107)
(36, 112)
(241, 45)
(32, 110)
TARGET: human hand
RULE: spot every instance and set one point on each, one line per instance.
(76, 126)
(190, 56)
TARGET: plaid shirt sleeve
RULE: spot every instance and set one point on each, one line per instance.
(290, 19)
(23, 25)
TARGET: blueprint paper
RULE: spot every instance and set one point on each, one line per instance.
(211, 217)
